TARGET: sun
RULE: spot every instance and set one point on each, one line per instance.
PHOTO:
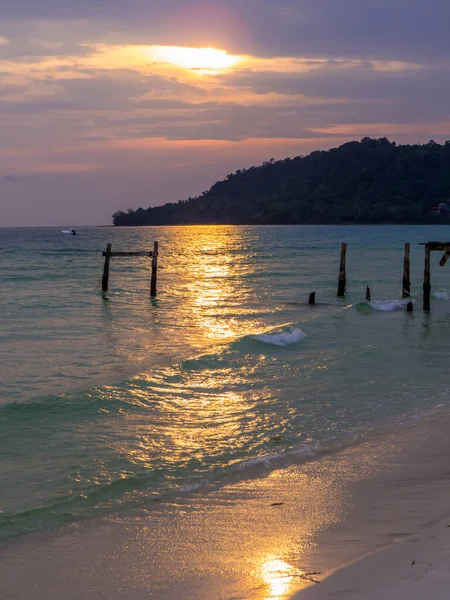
(202, 59)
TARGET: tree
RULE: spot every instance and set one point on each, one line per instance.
(371, 181)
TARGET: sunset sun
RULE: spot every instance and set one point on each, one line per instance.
(203, 59)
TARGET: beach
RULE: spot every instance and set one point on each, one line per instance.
(227, 440)
(290, 533)
(392, 574)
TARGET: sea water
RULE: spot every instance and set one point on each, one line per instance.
(113, 401)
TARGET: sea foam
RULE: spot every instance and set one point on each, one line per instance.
(388, 305)
(442, 295)
(269, 460)
(290, 335)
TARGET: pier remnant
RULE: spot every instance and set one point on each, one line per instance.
(105, 277)
(427, 279)
(445, 258)
(406, 282)
(430, 247)
(342, 271)
(154, 270)
(108, 254)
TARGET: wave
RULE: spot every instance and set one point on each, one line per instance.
(389, 305)
(269, 460)
(90, 400)
(139, 491)
(441, 295)
(289, 335)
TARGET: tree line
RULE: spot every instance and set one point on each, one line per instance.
(371, 181)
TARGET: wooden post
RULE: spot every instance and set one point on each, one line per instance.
(312, 298)
(406, 283)
(409, 307)
(105, 277)
(445, 258)
(368, 294)
(427, 279)
(154, 270)
(342, 280)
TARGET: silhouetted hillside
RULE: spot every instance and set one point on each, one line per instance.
(372, 181)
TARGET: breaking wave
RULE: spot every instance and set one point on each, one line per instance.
(389, 305)
(289, 335)
(442, 295)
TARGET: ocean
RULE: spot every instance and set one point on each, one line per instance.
(116, 401)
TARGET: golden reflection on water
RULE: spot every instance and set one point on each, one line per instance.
(215, 282)
(278, 575)
(198, 416)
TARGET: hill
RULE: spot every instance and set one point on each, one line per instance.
(371, 181)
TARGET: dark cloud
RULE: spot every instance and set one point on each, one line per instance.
(396, 29)
(398, 95)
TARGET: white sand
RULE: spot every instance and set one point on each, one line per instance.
(416, 569)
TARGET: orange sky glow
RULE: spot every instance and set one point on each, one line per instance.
(197, 96)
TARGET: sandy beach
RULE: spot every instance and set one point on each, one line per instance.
(414, 569)
(265, 538)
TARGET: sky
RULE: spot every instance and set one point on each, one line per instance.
(107, 105)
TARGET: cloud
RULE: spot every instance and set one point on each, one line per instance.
(386, 29)
(93, 97)
(85, 105)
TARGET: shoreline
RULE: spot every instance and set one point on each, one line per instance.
(411, 570)
(258, 538)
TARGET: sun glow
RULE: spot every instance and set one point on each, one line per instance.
(278, 576)
(202, 59)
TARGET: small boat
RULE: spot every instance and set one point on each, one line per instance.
(69, 231)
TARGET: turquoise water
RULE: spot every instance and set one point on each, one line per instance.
(110, 402)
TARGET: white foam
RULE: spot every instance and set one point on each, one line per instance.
(269, 459)
(388, 305)
(282, 338)
(264, 461)
(441, 295)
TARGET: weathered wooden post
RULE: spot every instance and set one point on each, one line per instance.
(312, 298)
(105, 277)
(445, 258)
(406, 283)
(427, 279)
(154, 270)
(342, 279)
(368, 294)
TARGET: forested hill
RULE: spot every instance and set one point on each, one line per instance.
(372, 181)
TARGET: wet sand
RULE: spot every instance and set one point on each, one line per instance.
(266, 537)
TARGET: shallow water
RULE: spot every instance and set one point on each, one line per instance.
(111, 402)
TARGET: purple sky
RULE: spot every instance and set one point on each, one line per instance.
(94, 118)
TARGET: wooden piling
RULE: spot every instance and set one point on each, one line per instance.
(312, 298)
(406, 283)
(427, 279)
(445, 258)
(154, 270)
(368, 294)
(342, 273)
(105, 277)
